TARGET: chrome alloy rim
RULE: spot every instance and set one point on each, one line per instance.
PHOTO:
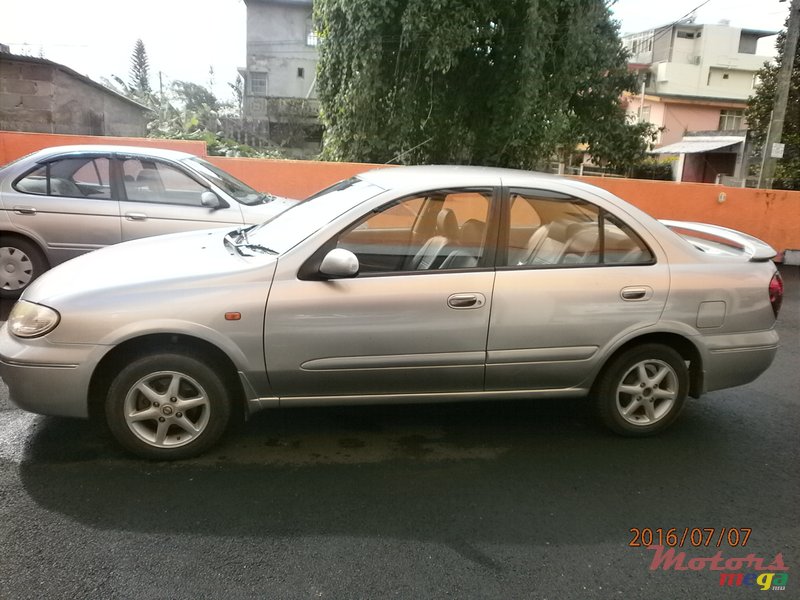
(167, 409)
(16, 268)
(647, 392)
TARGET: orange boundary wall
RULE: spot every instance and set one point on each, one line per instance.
(771, 215)
(14, 144)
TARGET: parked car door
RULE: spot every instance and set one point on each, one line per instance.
(413, 321)
(571, 277)
(160, 197)
(68, 204)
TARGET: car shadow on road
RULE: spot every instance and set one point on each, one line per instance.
(464, 475)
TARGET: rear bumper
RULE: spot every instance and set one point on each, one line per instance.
(737, 359)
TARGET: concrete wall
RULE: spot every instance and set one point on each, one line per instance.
(772, 215)
(721, 81)
(680, 118)
(41, 97)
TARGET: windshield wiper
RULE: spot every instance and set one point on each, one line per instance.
(241, 248)
(240, 235)
(238, 240)
(266, 197)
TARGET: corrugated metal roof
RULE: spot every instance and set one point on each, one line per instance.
(690, 145)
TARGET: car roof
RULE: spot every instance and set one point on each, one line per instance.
(447, 176)
(417, 178)
(108, 148)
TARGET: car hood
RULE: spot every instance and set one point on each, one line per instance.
(257, 213)
(160, 263)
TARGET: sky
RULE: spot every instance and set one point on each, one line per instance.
(184, 39)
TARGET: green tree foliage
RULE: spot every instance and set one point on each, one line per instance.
(493, 82)
(139, 76)
(184, 110)
(192, 112)
(195, 97)
(759, 111)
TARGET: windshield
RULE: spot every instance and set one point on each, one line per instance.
(291, 227)
(238, 189)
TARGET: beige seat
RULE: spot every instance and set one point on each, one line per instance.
(438, 246)
(148, 185)
(470, 245)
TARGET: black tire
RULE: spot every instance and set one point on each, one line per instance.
(167, 406)
(642, 390)
(21, 261)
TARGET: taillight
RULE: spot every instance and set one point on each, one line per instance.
(776, 293)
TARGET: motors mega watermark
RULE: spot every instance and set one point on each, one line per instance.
(748, 571)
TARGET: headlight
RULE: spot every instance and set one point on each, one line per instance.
(29, 320)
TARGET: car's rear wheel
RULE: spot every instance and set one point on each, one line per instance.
(167, 406)
(21, 262)
(643, 390)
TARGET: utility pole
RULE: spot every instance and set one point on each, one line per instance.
(781, 94)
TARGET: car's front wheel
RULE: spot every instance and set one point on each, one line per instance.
(643, 390)
(21, 262)
(167, 406)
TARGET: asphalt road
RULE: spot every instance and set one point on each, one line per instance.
(510, 500)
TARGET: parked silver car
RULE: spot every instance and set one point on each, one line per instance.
(60, 202)
(400, 285)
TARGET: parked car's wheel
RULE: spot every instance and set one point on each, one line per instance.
(643, 390)
(21, 262)
(167, 406)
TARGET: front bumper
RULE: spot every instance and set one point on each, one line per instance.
(45, 378)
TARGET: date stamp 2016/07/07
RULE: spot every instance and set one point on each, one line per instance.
(695, 537)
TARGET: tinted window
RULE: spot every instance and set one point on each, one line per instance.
(443, 230)
(152, 181)
(80, 177)
(551, 229)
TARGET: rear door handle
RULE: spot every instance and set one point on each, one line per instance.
(462, 301)
(133, 216)
(24, 210)
(636, 293)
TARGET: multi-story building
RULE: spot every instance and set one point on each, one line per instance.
(694, 84)
(280, 76)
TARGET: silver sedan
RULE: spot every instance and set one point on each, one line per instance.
(405, 285)
(60, 202)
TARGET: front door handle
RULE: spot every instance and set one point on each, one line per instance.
(462, 301)
(636, 293)
(134, 216)
(24, 210)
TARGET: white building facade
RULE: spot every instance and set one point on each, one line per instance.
(696, 78)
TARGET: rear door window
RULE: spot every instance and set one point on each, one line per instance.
(75, 177)
(549, 229)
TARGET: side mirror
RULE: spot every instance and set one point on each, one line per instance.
(211, 200)
(339, 263)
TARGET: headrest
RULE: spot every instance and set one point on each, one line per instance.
(147, 175)
(472, 232)
(447, 224)
(557, 231)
